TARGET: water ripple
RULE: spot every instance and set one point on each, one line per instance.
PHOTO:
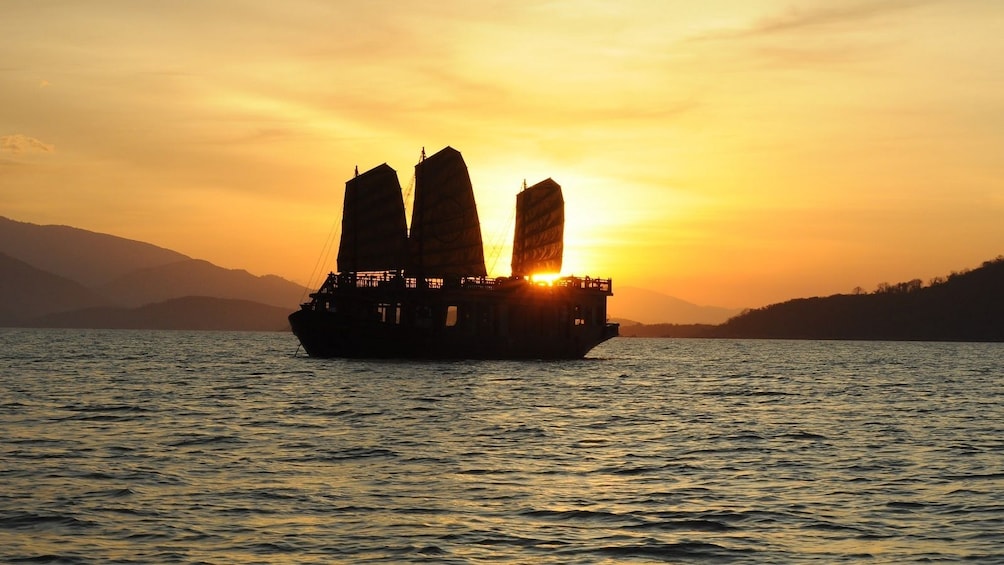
(188, 447)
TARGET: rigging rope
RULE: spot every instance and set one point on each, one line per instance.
(407, 195)
(499, 242)
(322, 259)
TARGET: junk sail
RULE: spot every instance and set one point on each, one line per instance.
(374, 232)
(540, 225)
(445, 238)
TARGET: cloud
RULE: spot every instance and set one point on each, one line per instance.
(832, 15)
(18, 144)
(826, 16)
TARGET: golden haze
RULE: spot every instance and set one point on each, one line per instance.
(731, 153)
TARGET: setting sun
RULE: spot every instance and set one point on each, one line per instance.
(545, 279)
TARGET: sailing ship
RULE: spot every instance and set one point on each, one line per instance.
(426, 293)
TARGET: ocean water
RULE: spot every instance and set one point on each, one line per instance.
(188, 447)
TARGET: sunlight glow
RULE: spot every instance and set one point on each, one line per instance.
(544, 278)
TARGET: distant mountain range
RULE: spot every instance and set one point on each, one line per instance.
(27, 292)
(193, 277)
(59, 276)
(86, 257)
(188, 313)
(631, 305)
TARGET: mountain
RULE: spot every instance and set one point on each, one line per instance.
(189, 313)
(649, 307)
(87, 257)
(966, 306)
(53, 275)
(668, 330)
(193, 277)
(27, 292)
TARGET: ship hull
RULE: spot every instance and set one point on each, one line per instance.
(483, 320)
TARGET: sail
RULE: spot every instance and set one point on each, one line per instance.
(374, 232)
(540, 227)
(445, 235)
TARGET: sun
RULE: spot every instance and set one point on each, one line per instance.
(544, 278)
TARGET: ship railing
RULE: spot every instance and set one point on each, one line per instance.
(396, 280)
(392, 279)
(358, 280)
(585, 283)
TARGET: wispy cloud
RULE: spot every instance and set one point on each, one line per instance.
(18, 144)
(828, 16)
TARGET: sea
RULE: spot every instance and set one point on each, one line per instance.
(214, 447)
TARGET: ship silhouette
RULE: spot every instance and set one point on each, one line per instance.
(426, 293)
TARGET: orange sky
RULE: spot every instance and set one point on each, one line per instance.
(733, 153)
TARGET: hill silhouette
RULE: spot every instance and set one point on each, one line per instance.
(667, 330)
(54, 275)
(87, 257)
(27, 292)
(966, 306)
(188, 313)
(194, 277)
(631, 304)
